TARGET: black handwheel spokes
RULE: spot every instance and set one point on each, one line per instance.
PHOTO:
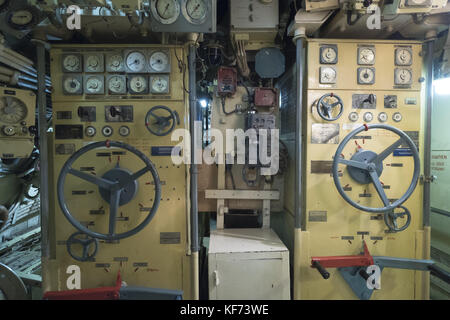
(325, 109)
(391, 219)
(89, 246)
(117, 186)
(161, 125)
(366, 166)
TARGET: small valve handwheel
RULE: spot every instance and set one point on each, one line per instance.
(326, 105)
(160, 125)
(366, 166)
(89, 245)
(114, 186)
(391, 219)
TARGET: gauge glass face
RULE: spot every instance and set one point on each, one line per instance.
(159, 61)
(93, 63)
(329, 55)
(94, 85)
(21, 17)
(366, 56)
(72, 63)
(403, 57)
(115, 62)
(167, 9)
(12, 110)
(136, 61)
(159, 84)
(327, 75)
(117, 84)
(138, 84)
(196, 9)
(403, 76)
(72, 85)
(366, 76)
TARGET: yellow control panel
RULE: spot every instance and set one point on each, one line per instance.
(353, 84)
(134, 96)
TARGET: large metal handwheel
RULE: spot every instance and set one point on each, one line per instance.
(115, 186)
(161, 125)
(325, 108)
(366, 167)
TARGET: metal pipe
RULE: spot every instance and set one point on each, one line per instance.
(427, 143)
(300, 69)
(43, 147)
(440, 211)
(194, 170)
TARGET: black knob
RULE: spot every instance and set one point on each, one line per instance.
(323, 272)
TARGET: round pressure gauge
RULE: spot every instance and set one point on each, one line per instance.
(366, 75)
(382, 117)
(403, 57)
(117, 84)
(403, 76)
(115, 63)
(159, 61)
(353, 117)
(94, 85)
(12, 110)
(72, 63)
(195, 11)
(159, 84)
(72, 85)
(165, 11)
(366, 56)
(328, 55)
(327, 75)
(93, 64)
(368, 116)
(138, 84)
(136, 61)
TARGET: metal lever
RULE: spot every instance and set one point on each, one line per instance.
(440, 273)
(323, 272)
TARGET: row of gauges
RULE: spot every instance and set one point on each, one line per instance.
(140, 61)
(115, 84)
(366, 56)
(168, 11)
(368, 117)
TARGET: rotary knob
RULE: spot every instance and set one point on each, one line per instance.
(9, 131)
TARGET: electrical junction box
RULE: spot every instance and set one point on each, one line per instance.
(127, 5)
(248, 14)
(248, 264)
(226, 81)
(266, 97)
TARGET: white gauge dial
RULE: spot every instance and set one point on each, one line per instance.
(366, 75)
(12, 110)
(94, 64)
(72, 63)
(366, 56)
(117, 84)
(115, 62)
(166, 11)
(403, 57)
(94, 85)
(196, 10)
(159, 61)
(138, 84)
(328, 55)
(403, 76)
(136, 61)
(159, 84)
(72, 85)
(327, 75)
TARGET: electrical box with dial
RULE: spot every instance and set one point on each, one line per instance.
(137, 84)
(114, 62)
(72, 84)
(72, 63)
(135, 61)
(403, 56)
(329, 54)
(94, 62)
(327, 75)
(94, 84)
(159, 84)
(366, 75)
(366, 55)
(117, 84)
(403, 76)
(159, 62)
